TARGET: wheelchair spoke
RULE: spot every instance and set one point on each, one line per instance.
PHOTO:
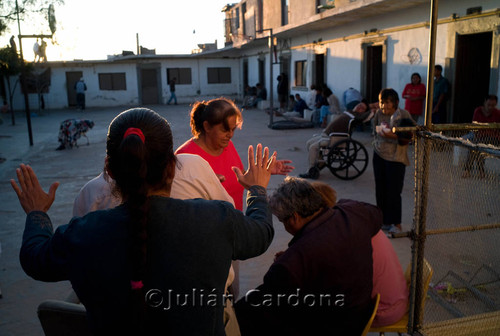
(347, 159)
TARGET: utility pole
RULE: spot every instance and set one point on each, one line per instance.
(271, 106)
(22, 79)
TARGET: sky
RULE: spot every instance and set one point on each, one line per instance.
(94, 29)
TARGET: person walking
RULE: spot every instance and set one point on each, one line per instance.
(172, 91)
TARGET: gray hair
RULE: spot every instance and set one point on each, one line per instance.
(295, 195)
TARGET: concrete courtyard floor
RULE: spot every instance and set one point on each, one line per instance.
(73, 168)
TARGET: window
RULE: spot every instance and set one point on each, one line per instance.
(237, 18)
(300, 73)
(183, 75)
(284, 12)
(260, 13)
(219, 75)
(243, 12)
(112, 81)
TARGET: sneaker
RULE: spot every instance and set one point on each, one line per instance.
(386, 227)
(392, 230)
(312, 173)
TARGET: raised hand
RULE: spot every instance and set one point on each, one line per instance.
(259, 168)
(282, 167)
(30, 193)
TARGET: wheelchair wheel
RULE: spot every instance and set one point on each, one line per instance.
(347, 159)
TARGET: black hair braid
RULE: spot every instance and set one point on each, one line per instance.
(133, 159)
(138, 164)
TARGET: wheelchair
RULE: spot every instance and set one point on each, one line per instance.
(345, 157)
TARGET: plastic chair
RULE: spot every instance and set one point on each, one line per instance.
(402, 325)
(376, 301)
(61, 318)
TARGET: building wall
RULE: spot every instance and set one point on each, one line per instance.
(199, 89)
(272, 13)
(344, 58)
(301, 10)
(404, 35)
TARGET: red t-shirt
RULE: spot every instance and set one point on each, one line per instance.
(480, 117)
(489, 136)
(414, 106)
(221, 165)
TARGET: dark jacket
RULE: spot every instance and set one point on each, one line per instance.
(321, 285)
(190, 245)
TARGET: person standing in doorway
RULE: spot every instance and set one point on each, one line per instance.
(282, 91)
(80, 88)
(172, 91)
(414, 93)
(440, 95)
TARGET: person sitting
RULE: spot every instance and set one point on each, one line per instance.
(300, 105)
(311, 96)
(261, 94)
(487, 113)
(322, 284)
(340, 124)
(319, 101)
(152, 242)
(351, 98)
(250, 97)
(388, 277)
(332, 106)
(291, 103)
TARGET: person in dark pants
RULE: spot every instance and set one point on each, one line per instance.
(390, 158)
(80, 88)
(440, 95)
(282, 91)
(172, 91)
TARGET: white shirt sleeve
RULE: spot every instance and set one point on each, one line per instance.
(194, 178)
(95, 195)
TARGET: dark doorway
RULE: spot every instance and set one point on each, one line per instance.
(472, 74)
(319, 69)
(149, 86)
(373, 64)
(285, 65)
(71, 78)
(245, 75)
(262, 72)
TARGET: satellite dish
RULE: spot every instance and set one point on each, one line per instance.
(52, 19)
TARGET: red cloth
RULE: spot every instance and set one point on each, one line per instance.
(488, 136)
(221, 165)
(480, 117)
(414, 106)
(389, 281)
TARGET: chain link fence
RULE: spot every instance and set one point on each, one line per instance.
(456, 231)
